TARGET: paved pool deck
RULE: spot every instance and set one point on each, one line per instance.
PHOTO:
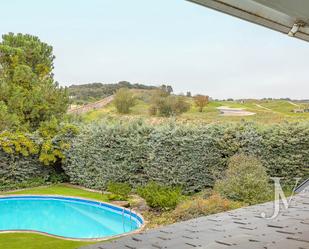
(238, 229)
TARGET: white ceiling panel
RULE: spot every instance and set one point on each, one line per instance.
(286, 16)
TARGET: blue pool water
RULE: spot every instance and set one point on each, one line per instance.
(66, 217)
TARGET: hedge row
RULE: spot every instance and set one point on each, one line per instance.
(30, 159)
(190, 156)
(17, 169)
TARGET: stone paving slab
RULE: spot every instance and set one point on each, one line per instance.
(238, 229)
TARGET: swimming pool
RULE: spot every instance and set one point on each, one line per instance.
(67, 217)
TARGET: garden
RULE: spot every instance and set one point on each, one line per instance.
(168, 172)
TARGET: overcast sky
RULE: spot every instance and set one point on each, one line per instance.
(163, 41)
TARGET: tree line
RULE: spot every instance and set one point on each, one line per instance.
(81, 94)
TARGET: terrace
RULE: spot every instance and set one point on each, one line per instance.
(241, 228)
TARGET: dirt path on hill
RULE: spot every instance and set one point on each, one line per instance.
(265, 108)
(293, 104)
(92, 106)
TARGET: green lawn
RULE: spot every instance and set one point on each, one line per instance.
(34, 241)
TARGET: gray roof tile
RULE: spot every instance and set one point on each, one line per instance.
(242, 229)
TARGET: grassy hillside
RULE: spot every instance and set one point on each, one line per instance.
(267, 111)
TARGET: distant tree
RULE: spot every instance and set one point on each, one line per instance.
(287, 99)
(167, 105)
(28, 93)
(124, 100)
(157, 100)
(189, 95)
(201, 101)
(179, 104)
(167, 88)
(125, 84)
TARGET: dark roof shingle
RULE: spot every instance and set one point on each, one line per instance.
(243, 228)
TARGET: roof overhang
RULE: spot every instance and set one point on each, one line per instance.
(287, 16)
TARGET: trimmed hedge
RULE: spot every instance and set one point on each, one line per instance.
(192, 157)
(17, 169)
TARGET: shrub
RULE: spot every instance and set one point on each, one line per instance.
(179, 105)
(57, 177)
(245, 180)
(25, 156)
(152, 110)
(172, 106)
(124, 100)
(160, 197)
(30, 183)
(54, 138)
(167, 105)
(198, 206)
(158, 219)
(16, 169)
(120, 191)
